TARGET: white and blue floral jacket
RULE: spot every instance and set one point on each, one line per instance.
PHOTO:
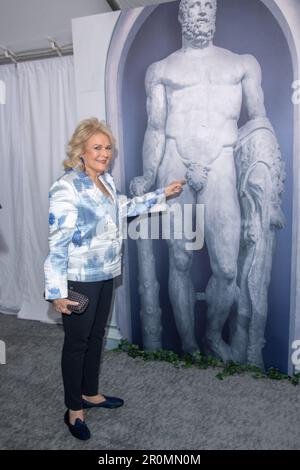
(85, 238)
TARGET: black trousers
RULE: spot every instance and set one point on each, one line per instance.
(82, 347)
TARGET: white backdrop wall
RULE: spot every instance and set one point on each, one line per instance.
(90, 53)
(35, 124)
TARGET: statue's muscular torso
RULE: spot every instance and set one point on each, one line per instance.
(203, 99)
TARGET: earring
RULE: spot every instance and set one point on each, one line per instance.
(82, 162)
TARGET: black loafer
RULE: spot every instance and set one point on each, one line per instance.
(79, 429)
(109, 402)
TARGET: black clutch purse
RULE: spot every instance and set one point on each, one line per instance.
(76, 296)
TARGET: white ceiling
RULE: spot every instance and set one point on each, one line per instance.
(137, 3)
(26, 24)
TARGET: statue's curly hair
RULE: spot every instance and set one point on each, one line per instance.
(184, 6)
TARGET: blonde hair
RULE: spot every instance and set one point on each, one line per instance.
(83, 132)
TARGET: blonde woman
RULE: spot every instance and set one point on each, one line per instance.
(85, 244)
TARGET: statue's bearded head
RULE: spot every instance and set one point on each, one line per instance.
(198, 20)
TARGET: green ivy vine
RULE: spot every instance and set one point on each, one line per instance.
(203, 362)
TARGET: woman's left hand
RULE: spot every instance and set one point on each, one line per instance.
(174, 189)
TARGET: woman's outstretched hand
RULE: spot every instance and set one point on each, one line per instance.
(175, 188)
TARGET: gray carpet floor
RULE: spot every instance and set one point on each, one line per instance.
(165, 407)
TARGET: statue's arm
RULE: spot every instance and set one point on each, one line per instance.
(263, 149)
(154, 140)
(253, 95)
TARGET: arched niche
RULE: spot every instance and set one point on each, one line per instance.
(127, 27)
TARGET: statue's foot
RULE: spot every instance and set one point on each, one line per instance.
(238, 347)
(255, 357)
(152, 345)
(191, 348)
(244, 353)
(239, 355)
(218, 349)
(238, 343)
(152, 338)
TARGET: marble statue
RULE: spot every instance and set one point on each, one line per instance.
(194, 100)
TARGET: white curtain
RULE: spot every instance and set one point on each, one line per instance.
(11, 195)
(35, 124)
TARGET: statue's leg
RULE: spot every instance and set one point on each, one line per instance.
(150, 312)
(222, 235)
(149, 293)
(181, 292)
(239, 322)
(181, 289)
